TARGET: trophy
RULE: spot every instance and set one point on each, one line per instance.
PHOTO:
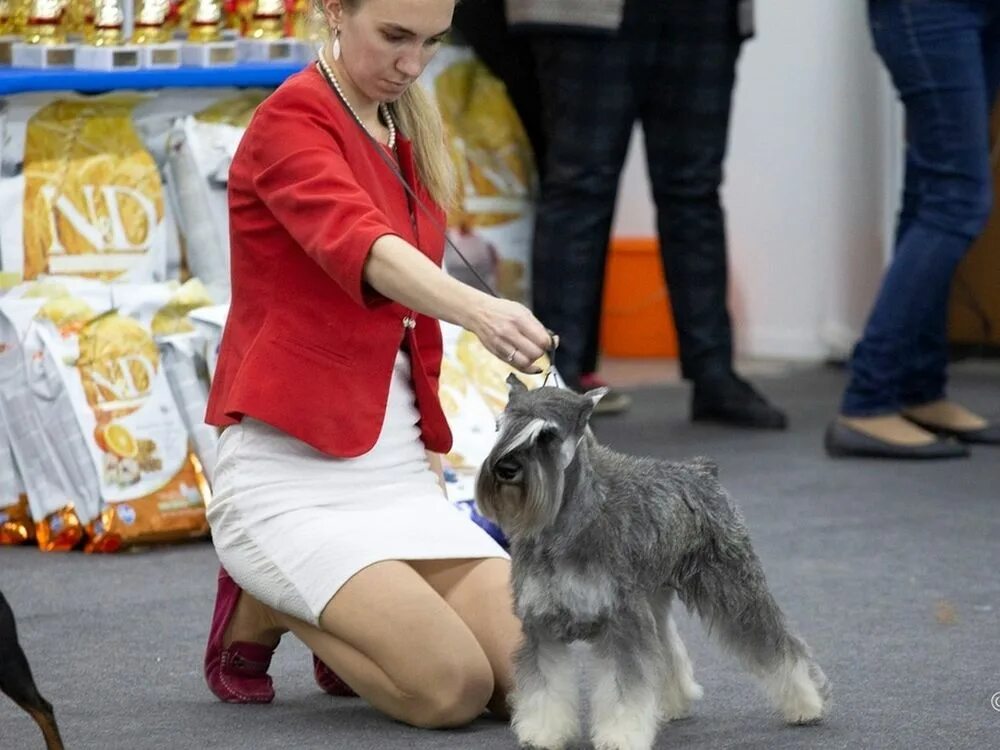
(45, 23)
(265, 40)
(105, 48)
(268, 20)
(205, 47)
(152, 35)
(109, 17)
(44, 42)
(151, 22)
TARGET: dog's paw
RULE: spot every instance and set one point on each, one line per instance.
(804, 701)
(625, 727)
(546, 725)
(675, 703)
(634, 740)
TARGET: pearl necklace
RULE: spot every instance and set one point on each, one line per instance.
(383, 108)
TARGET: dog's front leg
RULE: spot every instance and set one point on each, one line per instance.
(545, 703)
(628, 679)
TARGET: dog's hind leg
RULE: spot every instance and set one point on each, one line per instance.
(679, 686)
(628, 683)
(16, 680)
(725, 584)
(545, 702)
(46, 721)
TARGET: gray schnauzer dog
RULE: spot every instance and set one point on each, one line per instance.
(601, 543)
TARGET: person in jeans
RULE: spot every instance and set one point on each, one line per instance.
(944, 59)
(601, 65)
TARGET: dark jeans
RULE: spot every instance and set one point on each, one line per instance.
(672, 67)
(944, 58)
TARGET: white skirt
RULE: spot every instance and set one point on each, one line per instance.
(291, 525)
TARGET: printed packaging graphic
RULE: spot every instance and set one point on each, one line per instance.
(119, 402)
(88, 199)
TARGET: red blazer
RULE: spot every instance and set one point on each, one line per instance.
(309, 347)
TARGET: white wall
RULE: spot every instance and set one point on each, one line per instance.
(811, 180)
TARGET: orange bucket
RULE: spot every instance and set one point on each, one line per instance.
(636, 320)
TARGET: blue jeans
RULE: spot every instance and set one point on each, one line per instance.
(944, 59)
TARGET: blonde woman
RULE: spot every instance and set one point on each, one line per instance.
(328, 516)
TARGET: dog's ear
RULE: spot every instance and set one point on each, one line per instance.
(596, 394)
(514, 385)
(589, 400)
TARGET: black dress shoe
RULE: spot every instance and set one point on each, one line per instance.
(730, 400)
(988, 435)
(842, 440)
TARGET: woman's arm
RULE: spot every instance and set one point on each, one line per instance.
(434, 459)
(399, 271)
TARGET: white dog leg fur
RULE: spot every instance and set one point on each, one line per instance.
(680, 688)
(622, 722)
(795, 693)
(547, 716)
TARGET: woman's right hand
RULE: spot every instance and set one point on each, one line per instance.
(510, 332)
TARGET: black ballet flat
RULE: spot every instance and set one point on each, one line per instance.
(843, 441)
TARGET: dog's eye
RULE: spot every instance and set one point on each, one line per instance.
(548, 435)
(496, 426)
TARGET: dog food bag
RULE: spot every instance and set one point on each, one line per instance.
(188, 378)
(152, 487)
(67, 305)
(201, 148)
(495, 165)
(210, 322)
(166, 309)
(87, 198)
(173, 316)
(16, 526)
(51, 495)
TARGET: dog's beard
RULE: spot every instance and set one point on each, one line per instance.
(526, 507)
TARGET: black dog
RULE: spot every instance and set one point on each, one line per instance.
(17, 682)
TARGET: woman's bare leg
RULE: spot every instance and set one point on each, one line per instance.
(390, 636)
(479, 591)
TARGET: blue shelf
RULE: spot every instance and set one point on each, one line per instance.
(22, 80)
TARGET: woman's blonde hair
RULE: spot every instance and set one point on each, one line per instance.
(419, 119)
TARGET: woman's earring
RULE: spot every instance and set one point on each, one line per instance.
(336, 43)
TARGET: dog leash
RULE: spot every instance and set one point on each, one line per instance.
(553, 338)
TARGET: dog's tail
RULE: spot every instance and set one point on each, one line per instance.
(17, 682)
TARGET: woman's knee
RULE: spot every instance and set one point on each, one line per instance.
(963, 209)
(449, 692)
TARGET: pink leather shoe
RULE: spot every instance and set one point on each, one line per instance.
(329, 681)
(237, 674)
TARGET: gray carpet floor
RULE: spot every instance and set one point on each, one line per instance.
(888, 569)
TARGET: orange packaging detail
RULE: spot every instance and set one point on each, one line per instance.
(16, 526)
(173, 513)
(60, 531)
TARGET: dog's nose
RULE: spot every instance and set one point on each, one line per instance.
(507, 470)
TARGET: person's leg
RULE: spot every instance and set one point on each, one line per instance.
(685, 117)
(480, 593)
(685, 110)
(935, 56)
(923, 392)
(390, 636)
(588, 114)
